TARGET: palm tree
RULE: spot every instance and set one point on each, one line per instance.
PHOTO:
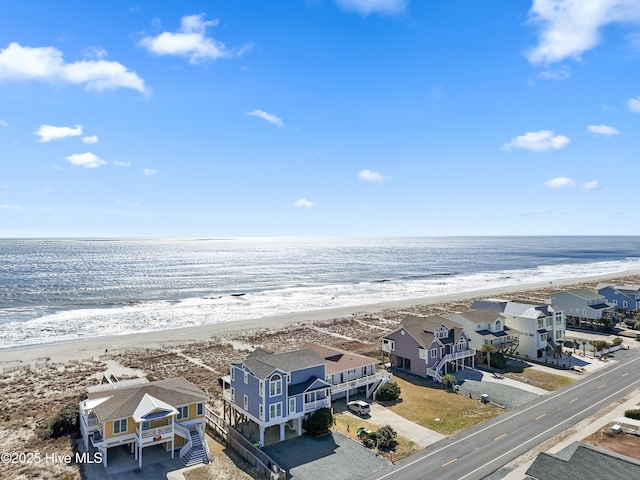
(557, 352)
(449, 380)
(584, 348)
(569, 355)
(488, 348)
(575, 342)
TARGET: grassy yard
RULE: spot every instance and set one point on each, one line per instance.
(438, 409)
(348, 425)
(537, 378)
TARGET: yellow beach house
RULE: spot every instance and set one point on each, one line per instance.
(140, 414)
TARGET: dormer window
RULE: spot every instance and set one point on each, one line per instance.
(498, 326)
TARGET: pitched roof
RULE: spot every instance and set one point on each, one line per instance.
(478, 316)
(519, 309)
(261, 366)
(309, 385)
(123, 402)
(585, 462)
(422, 328)
(337, 360)
(582, 293)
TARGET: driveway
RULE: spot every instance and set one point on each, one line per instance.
(382, 416)
(330, 457)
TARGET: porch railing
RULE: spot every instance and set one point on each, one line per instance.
(324, 402)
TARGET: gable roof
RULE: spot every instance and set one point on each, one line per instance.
(479, 316)
(123, 402)
(518, 309)
(422, 328)
(581, 293)
(337, 360)
(151, 408)
(585, 462)
(262, 365)
(309, 385)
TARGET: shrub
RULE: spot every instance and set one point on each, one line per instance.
(498, 361)
(319, 422)
(389, 392)
(636, 326)
(449, 380)
(386, 437)
(65, 422)
(368, 441)
(617, 341)
(635, 414)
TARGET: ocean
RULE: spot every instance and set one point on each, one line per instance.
(64, 289)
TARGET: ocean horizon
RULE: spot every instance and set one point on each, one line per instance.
(72, 288)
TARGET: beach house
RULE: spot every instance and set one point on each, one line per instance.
(583, 308)
(349, 373)
(623, 297)
(274, 391)
(141, 414)
(487, 327)
(428, 346)
(538, 327)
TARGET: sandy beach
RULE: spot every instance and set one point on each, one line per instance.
(87, 348)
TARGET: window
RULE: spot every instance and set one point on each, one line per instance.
(479, 327)
(275, 410)
(275, 386)
(233, 374)
(434, 352)
(246, 377)
(584, 312)
(261, 389)
(462, 345)
(548, 321)
(261, 412)
(199, 409)
(388, 345)
(233, 394)
(615, 302)
(543, 337)
(540, 324)
(498, 326)
(624, 304)
(292, 406)
(183, 412)
(422, 353)
(558, 320)
(146, 425)
(246, 402)
(120, 426)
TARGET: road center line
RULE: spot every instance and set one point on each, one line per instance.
(571, 401)
(501, 436)
(538, 418)
(549, 398)
(449, 462)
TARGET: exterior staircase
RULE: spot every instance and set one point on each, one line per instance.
(197, 453)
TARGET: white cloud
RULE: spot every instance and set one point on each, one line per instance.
(633, 104)
(47, 65)
(86, 160)
(560, 182)
(9, 207)
(3, 123)
(371, 176)
(121, 164)
(603, 130)
(149, 172)
(266, 116)
(191, 41)
(539, 141)
(90, 139)
(591, 185)
(558, 75)
(568, 28)
(540, 211)
(304, 203)
(366, 7)
(49, 132)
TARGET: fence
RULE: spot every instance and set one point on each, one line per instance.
(256, 457)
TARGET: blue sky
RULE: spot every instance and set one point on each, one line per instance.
(319, 117)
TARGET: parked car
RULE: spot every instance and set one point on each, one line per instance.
(363, 431)
(359, 406)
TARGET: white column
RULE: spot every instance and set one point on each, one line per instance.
(104, 456)
(299, 426)
(173, 436)
(261, 436)
(282, 432)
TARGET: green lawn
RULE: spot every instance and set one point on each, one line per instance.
(438, 409)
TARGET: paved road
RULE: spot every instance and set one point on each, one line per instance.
(476, 453)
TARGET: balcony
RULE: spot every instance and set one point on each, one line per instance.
(320, 403)
(360, 382)
(151, 435)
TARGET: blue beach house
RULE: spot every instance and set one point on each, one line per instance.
(275, 391)
(624, 297)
